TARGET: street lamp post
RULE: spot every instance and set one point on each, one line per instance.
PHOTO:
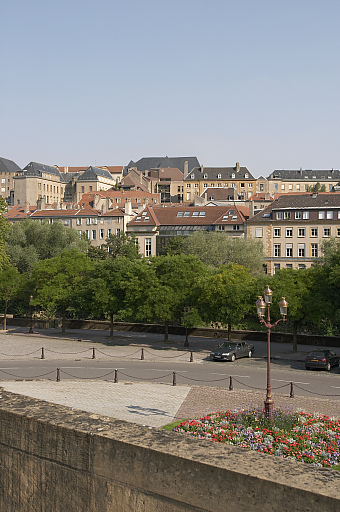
(261, 306)
(31, 316)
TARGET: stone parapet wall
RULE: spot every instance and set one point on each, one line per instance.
(55, 459)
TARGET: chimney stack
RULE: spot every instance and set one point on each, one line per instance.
(128, 208)
(237, 166)
(186, 168)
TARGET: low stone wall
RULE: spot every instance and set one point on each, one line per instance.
(55, 459)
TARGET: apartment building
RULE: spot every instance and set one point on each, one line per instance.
(293, 228)
(8, 169)
(283, 181)
(197, 181)
(154, 225)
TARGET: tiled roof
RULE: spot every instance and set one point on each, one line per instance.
(260, 196)
(19, 212)
(147, 163)
(301, 174)
(92, 173)
(219, 193)
(8, 166)
(296, 201)
(190, 215)
(225, 172)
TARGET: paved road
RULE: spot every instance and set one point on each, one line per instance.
(145, 401)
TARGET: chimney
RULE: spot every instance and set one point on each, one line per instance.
(41, 203)
(202, 169)
(128, 208)
(267, 196)
(186, 168)
(237, 166)
(251, 209)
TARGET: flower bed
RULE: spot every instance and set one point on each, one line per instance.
(312, 439)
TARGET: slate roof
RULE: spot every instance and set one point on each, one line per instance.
(225, 172)
(36, 169)
(147, 163)
(322, 200)
(190, 216)
(8, 166)
(297, 175)
(92, 174)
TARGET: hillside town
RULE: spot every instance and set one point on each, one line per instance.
(291, 211)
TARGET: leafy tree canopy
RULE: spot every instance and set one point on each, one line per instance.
(220, 249)
(30, 241)
(4, 228)
(123, 245)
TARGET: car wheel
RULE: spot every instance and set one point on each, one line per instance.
(233, 357)
(250, 353)
(328, 367)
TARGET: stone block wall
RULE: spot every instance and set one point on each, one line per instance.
(58, 459)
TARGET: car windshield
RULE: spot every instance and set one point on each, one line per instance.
(231, 346)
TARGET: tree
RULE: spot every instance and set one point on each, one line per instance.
(220, 249)
(173, 245)
(175, 290)
(57, 281)
(4, 228)
(9, 285)
(123, 245)
(227, 296)
(30, 241)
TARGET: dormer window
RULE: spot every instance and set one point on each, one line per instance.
(219, 176)
(233, 176)
(205, 176)
(192, 176)
(246, 175)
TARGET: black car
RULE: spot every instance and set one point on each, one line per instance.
(230, 350)
(322, 359)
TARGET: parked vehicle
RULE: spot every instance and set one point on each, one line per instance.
(231, 350)
(322, 359)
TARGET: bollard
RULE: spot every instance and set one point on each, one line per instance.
(58, 374)
(191, 357)
(116, 376)
(174, 378)
(42, 353)
(93, 353)
(291, 390)
(142, 355)
(231, 383)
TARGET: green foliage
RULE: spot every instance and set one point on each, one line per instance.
(29, 242)
(123, 245)
(9, 286)
(173, 246)
(4, 229)
(316, 188)
(220, 249)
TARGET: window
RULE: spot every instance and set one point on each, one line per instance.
(212, 184)
(205, 176)
(148, 247)
(298, 186)
(188, 185)
(179, 214)
(236, 227)
(202, 214)
(289, 232)
(261, 187)
(246, 175)
(289, 250)
(195, 214)
(287, 215)
(277, 232)
(314, 250)
(289, 265)
(282, 187)
(258, 232)
(233, 176)
(290, 187)
(205, 185)
(218, 184)
(306, 187)
(326, 232)
(276, 267)
(302, 266)
(87, 234)
(337, 231)
(277, 250)
(196, 185)
(301, 250)
(109, 232)
(242, 185)
(250, 185)
(298, 215)
(101, 234)
(94, 234)
(192, 176)
(305, 215)
(321, 215)
(313, 231)
(219, 176)
(275, 186)
(90, 188)
(279, 215)
(186, 214)
(329, 215)
(117, 231)
(80, 232)
(188, 196)
(301, 232)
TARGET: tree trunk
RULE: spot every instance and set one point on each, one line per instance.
(295, 326)
(166, 330)
(63, 322)
(111, 325)
(5, 321)
(186, 343)
(229, 331)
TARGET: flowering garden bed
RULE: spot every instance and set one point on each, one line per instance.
(309, 438)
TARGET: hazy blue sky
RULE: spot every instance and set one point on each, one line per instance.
(101, 82)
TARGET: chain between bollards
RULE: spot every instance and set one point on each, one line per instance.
(58, 374)
(116, 376)
(231, 384)
(174, 378)
(42, 353)
(291, 390)
(93, 353)
(142, 355)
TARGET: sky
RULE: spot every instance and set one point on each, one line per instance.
(103, 82)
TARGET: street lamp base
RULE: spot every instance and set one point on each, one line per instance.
(269, 407)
